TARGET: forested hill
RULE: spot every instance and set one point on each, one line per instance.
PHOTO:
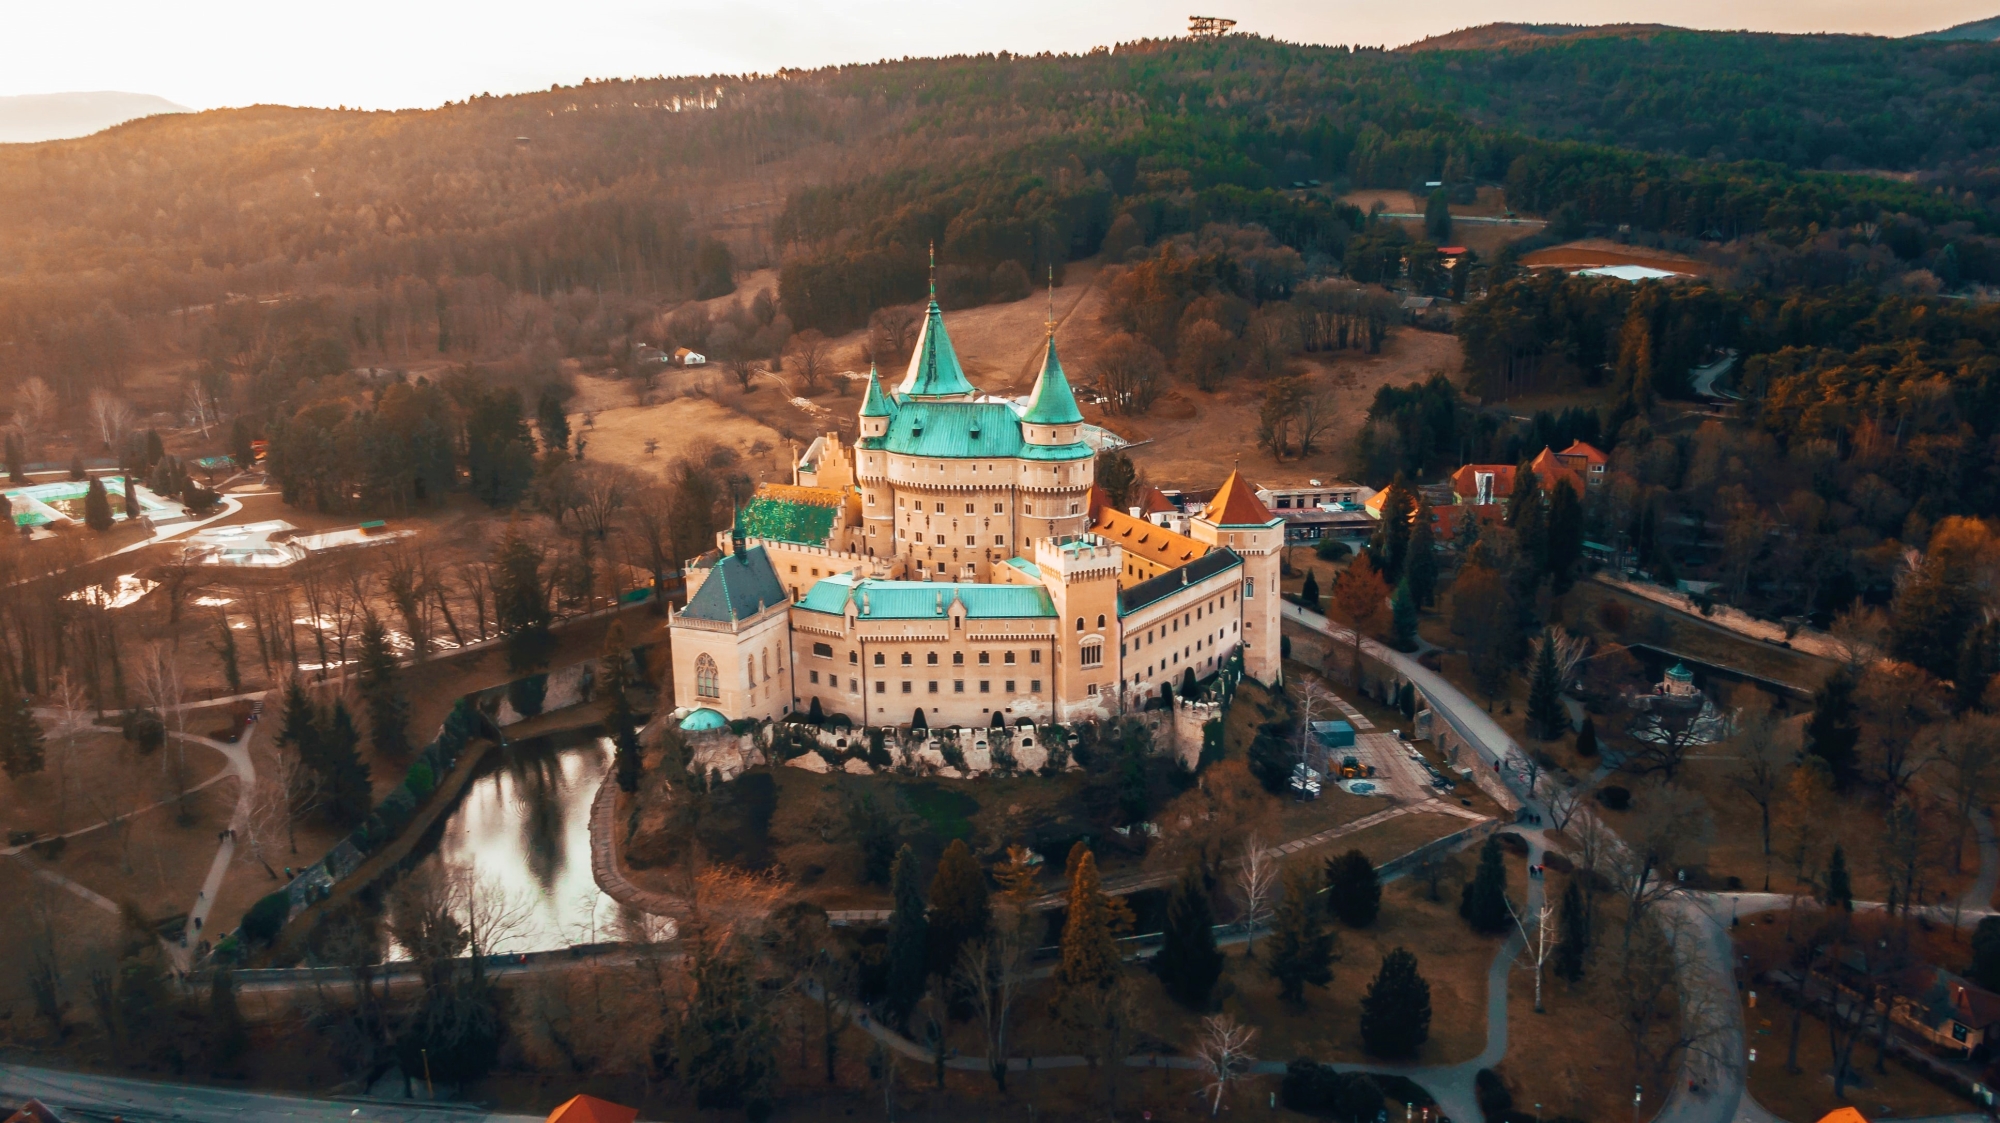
(608, 189)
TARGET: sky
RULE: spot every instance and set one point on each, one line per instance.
(389, 54)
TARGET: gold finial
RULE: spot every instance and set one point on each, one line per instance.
(933, 270)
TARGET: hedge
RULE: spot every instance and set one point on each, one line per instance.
(266, 917)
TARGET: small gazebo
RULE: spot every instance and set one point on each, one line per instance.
(590, 1109)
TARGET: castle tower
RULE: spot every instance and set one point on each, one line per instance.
(1082, 573)
(878, 518)
(1061, 466)
(1236, 518)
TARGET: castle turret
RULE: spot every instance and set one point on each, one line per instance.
(934, 371)
(1236, 518)
(1052, 417)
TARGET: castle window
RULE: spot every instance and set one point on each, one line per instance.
(906, 658)
(823, 650)
(1079, 623)
(986, 686)
(1092, 691)
(706, 681)
(985, 658)
(1091, 655)
(958, 686)
(931, 659)
(940, 506)
(999, 540)
(1010, 686)
(958, 659)
(934, 685)
(881, 687)
(1100, 619)
(1007, 658)
(906, 686)
(999, 509)
(854, 657)
(940, 539)
(878, 659)
(1035, 656)
(815, 676)
(971, 540)
(1073, 508)
(1034, 686)
(968, 508)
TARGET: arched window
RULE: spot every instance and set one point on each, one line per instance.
(906, 658)
(1100, 619)
(879, 660)
(958, 658)
(706, 681)
(931, 658)
(1079, 623)
(854, 657)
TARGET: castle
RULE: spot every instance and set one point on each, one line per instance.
(958, 561)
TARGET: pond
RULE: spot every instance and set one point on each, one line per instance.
(521, 834)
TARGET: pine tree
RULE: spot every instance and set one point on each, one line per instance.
(241, 449)
(1834, 730)
(76, 472)
(1420, 570)
(1565, 537)
(1300, 950)
(155, 451)
(1839, 886)
(16, 473)
(1545, 708)
(725, 1044)
(1586, 738)
(1396, 1011)
(521, 601)
(614, 680)
(1309, 592)
(131, 497)
(1573, 938)
(1437, 218)
(1353, 893)
(299, 727)
(1189, 963)
(345, 773)
(21, 749)
(959, 913)
(1484, 901)
(381, 691)
(225, 649)
(1089, 945)
(229, 1035)
(1391, 545)
(1403, 616)
(1190, 689)
(551, 421)
(96, 506)
(909, 938)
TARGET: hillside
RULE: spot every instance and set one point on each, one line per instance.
(1492, 36)
(28, 118)
(1977, 31)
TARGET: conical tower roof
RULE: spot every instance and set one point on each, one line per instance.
(1052, 402)
(934, 370)
(876, 404)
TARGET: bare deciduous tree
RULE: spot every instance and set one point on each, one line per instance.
(1966, 751)
(810, 359)
(1223, 1051)
(110, 416)
(1256, 881)
(1764, 757)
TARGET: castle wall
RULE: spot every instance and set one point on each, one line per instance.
(753, 674)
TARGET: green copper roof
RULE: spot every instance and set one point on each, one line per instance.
(876, 404)
(934, 370)
(965, 431)
(784, 520)
(737, 587)
(1052, 403)
(704, 720)
(925, 600)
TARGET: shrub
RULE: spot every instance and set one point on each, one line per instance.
(266, 917)
(1330, 550)
(1614, 797)
(1495, 1101)
(1317, 1089)
(420, 780)
(527, 694)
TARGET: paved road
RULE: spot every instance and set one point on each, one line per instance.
(1709, 962)
(143, 1100)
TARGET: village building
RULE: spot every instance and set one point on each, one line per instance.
(959, 560)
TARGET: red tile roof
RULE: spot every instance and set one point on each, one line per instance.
(590, 1109)
(1153, 503)
(1236, 504)
(1142, 539)
(1465, 481)
(1591, 453)
(1550, 470)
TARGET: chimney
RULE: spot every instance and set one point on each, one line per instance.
(1135, 511)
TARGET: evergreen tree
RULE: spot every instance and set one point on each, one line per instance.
(229, 1035)
(499, 454)
(76, 472)
(614, 680)
(345, 773)
(96, 507)
(1839, 886)
(155, 451)
(1189, 963)
(1835, 729)
(959, 914)
(1565, 537)
(1396, 1011)
(725, 1044)
(1484, 901)
(21, 749)
(1089, 944)
(521, 601)
(1352, 891)
(1545, 708)
(1309, 592)
(1437, 218)
(381, 691)
(1391, 545)
(1586, 738)
(551, 421)
(241, 448)
(1420, 569)
(909, 938)
(225, 649)
(1190, 689)
(299, 726)
(131, 497)
(1986, 953)
(1300, 950)
(16, 472)
(1403, 616)
(1573, 933)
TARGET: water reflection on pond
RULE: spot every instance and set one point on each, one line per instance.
(522, 829)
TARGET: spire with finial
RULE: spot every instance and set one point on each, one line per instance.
(1051, 322)
(933, 246)
(875, 403)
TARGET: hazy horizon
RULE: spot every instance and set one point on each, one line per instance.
(421, 53)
